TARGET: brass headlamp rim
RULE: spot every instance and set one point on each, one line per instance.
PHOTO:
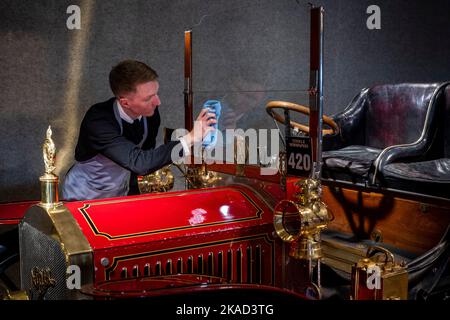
(278, 222)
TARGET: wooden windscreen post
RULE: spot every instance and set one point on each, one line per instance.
(188, 95)
(316, 89)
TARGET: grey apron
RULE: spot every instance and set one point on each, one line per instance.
(99, 177)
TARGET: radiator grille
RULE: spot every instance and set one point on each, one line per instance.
(39, 250)
(240, 265)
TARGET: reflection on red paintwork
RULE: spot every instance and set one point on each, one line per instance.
(197, 216)
(13, 212)
(167, 215)
(182, 285)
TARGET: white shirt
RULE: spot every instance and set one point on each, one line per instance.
(123, 114)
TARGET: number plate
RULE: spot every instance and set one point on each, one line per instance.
(299, 161)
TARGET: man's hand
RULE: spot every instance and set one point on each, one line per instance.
(202, 126)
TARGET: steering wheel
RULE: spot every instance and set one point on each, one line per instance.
(302, 109)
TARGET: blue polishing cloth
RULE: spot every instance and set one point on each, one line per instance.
(215, 107)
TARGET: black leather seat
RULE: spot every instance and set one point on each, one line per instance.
(431, 175)
(381, 123)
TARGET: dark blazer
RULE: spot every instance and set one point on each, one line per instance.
(100, 133)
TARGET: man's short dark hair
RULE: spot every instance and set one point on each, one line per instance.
(126, 75)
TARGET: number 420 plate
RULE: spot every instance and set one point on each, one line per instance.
(299, 161)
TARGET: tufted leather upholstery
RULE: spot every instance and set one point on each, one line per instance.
(431, 175)
(381, 124)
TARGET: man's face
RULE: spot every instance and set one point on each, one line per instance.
(143, 102)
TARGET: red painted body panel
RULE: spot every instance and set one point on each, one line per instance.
(13, 212)
(140, 219)
(225, 232)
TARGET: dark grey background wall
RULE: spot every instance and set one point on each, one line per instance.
(51, 75)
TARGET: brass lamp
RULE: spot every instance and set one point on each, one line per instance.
(300, 222)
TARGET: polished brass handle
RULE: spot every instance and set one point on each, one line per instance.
(373, 250)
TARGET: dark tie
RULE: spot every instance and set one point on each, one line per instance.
(134, 131)
(136, 124)
(138, 128)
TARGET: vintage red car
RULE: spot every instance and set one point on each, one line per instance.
(370, 222)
